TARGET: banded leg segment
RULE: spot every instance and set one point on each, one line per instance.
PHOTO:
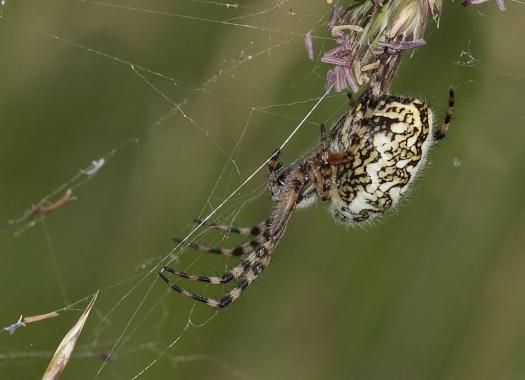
(318, 168)
(237, 251)
(252, 274)
(280, 219)
(251, 267)
(256, 263)
(257, 230)
(276, 175)
(226, 277)
(441, 133)
(265, 251)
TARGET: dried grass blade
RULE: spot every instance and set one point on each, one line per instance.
(65, 348)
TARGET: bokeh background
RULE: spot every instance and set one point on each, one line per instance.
(434, 291)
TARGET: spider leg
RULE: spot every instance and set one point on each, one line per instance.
(237, 251)
(351, 100)
(259, 262)
(335, 158)
(260, 232)
(252, 274)
(325, 140)
(281, 217)
(224, 278)
(276, 175)
(441, 133)
(338, 158)
(256, 230)
(319, 170)
(256, 261)
(274, 164)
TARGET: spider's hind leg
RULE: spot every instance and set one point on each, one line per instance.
(441, 133)
(352, 102)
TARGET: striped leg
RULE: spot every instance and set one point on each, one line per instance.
(237, 251)
(256, 230)
(252, 274)
(276, 176)
(260, 231)
(257, 261)
(441, 133)
(226, 277)
(319, 168)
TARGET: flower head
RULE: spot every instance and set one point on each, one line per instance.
(499, 3)
(371, 34)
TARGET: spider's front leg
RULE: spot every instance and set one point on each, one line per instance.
(276, 175)
(256, 262)
(319, 169)
(277, 178)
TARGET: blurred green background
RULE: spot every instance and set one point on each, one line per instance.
(434, 291)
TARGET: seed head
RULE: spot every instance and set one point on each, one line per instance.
(371, 37)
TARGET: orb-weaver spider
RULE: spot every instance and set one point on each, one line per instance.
(362, 167)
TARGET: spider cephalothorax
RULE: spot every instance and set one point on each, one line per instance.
(362, 167)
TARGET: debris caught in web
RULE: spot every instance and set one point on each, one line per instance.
(24, 321)
(41, 208)
(94, 168)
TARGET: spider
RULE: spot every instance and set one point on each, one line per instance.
(362, 167)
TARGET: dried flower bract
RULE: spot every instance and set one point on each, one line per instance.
(367, 31)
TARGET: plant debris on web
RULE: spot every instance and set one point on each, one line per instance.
(66, 346)
(24, 321)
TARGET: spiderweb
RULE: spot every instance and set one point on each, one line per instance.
(151, 114)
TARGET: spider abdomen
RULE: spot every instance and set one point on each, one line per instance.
(389, 141)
